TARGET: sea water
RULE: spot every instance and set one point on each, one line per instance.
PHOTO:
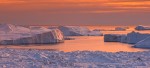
(90, 43)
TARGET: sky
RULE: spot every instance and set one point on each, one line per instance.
(75, 12)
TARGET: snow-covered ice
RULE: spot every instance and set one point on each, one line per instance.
(141, 27)
(31, 58)
(78, 31)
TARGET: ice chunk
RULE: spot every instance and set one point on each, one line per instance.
(134, 37)
(120, 28)
(34, 37)
(74, 30)
(13, 28)
(112, 37)
(78, 31)
(141, 27)
(123, 39)
(143, 43)
(95, 33)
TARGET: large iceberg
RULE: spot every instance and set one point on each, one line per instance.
(134, 37)
(130, 38)
(78, 31)
(140, 27)
(145, 43)
(35, 35)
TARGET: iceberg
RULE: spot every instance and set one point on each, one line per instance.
(120, 29)
(35, 35)
(95, 33)
(130, 38)
(112, 37)
(141, 27)
(78, 31)
(145, 43)
(124, 39)
(5, 28)
(134, 37)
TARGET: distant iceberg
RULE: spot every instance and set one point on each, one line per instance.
(120, 29)
(112, 37)
(78, 31)
(32, 35)
(141, 27)
(9, 28)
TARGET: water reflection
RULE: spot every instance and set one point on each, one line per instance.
(84, 43)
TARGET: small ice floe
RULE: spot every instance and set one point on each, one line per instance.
(120, 29)
(141, 27)
(113, 38)
(69, 38)
(78, 31)
(97, 30)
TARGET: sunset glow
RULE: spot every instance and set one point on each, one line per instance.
(54, 8)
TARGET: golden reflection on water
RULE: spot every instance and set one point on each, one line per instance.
(82, 43)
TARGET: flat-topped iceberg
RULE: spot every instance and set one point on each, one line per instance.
(35, 35)
(141, 27)
(78, 31)
(113, 37)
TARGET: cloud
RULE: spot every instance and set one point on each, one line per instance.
(76, 6)
(11, 1)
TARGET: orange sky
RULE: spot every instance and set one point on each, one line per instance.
(10, 7)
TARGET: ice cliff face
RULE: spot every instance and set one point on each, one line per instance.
(78, 31)
(34, 35)
(145, 43)
(134, 37)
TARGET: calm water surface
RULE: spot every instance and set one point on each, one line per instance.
(84, 43)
